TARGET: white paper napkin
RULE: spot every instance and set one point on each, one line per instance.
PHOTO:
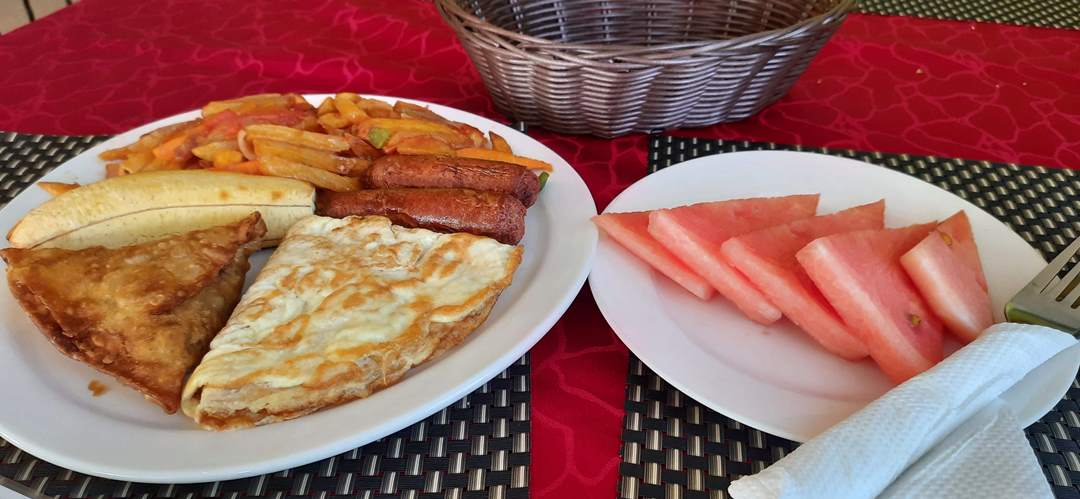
(987, 456)
(940, 434)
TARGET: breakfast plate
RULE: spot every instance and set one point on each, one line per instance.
(775, 378)
(49, 412)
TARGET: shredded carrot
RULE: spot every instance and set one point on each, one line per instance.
(491, 155)
(56, 188)
(167, 150)
(225, 158)
(249, 167)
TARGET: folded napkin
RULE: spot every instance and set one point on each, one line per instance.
(941, 434)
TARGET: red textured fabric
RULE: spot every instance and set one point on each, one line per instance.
(893, 84)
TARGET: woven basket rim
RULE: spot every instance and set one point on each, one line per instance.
(839, 10)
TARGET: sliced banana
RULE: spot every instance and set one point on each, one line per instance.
(132, 209)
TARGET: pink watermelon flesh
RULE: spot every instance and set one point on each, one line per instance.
(860, 274)
(631, 231)
(694, 233)
(767, 258)
(958, 236)
(945, 268)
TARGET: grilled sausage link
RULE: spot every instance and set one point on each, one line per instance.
(498, 216)
(448, 172)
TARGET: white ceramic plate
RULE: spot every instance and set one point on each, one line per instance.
(775, 378)
(48, 411)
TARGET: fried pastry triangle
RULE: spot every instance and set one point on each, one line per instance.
(144, 313)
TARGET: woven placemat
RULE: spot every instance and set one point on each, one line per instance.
(674, 447)
(1042, 13)
(476, 448)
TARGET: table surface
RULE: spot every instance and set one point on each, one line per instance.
(883, 83)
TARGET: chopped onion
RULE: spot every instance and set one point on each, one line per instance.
(245, 148)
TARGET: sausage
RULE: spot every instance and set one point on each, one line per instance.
(498, 216)
(448, 172)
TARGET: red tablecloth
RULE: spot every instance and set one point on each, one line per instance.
(973, 90)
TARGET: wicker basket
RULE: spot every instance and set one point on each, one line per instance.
(612, 67)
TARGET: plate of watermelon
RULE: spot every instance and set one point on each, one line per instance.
(787, 290)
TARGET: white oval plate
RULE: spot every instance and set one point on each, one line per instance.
(775, 378)
(48, 411)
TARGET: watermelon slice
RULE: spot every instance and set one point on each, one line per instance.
(946, 270)
(860, 274)
(767, 258)
(694, 233)
(956, 233)
(631, 230)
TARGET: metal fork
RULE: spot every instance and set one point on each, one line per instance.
(1050, 301)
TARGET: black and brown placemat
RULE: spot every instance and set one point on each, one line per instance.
(1064, 14)
(674, 447)
(476, 448)
(24, 158)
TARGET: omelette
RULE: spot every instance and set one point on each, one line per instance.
(144, 313)
(343, 308)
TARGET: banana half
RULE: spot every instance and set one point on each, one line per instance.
(132, 209)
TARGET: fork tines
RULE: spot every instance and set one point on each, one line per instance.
(1064, 289)
(1048, 300)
